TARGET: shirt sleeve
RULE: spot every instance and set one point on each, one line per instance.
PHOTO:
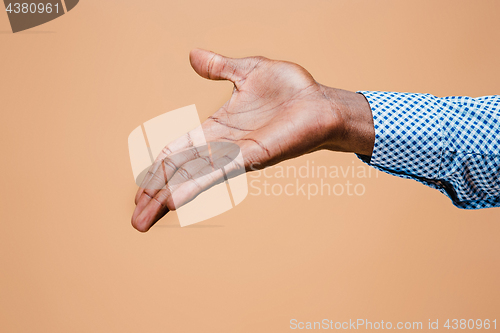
(451, 144)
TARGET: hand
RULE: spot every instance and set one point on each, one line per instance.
(277, 111)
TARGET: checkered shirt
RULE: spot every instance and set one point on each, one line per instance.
(451, 144)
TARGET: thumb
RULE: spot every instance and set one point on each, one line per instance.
(217, 67)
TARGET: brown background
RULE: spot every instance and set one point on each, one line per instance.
(73, 89)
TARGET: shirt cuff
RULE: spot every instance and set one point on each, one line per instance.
(408, 138)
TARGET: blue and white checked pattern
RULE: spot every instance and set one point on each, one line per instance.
(451, 144)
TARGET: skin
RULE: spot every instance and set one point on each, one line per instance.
(277, 111)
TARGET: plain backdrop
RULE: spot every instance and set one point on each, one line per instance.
(73, 89)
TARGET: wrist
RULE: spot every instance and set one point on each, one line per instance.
(352, 130)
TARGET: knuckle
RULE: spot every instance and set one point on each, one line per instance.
(166, 151)
(169, 163)
(207, 159)
(184, 173)
(156, 182)
(195, 152)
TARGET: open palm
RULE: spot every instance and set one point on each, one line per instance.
(277, 111)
